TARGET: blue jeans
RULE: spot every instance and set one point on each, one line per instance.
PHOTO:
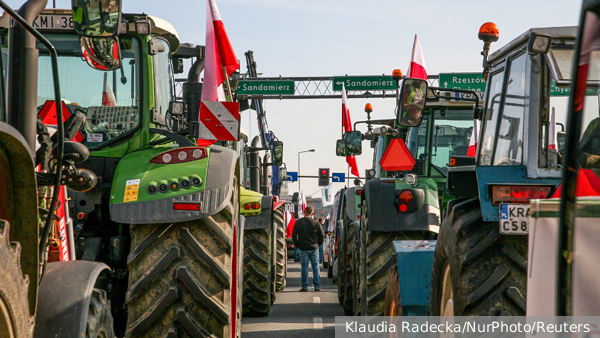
(321, 254)
(313, 256)
(296, 257)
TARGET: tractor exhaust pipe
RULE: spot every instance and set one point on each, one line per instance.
(255, 166)
(23, 74)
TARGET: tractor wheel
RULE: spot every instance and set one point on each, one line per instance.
(99, 321)
(350, 292)
(258, 285)
(15, 321)
(377, 258)
(180, 277)
(393, 300)
(341, 262)
(477, 271)
(281, 249)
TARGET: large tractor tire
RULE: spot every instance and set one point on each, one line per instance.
(281, 269)
(180, 277)
(99, 321)
(350, 292)
(14, 306)
(377, 257)
(258, 273)
(477, 271)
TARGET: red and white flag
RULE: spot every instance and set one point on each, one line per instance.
(219, 55)
(552, 130)
(417, 69)
(289, 224)
(472, 150)
(347, 125)
(108, 96)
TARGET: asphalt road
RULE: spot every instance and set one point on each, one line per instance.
(298, 314)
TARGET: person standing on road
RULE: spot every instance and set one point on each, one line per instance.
(321, 246)
(308, 236)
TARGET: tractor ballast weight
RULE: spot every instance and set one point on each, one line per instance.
(380, 196)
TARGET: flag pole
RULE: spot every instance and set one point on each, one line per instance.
(228, 86)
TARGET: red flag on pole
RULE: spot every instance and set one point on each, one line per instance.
(416, 69)
(219, 55)
(108, 96)
(347, 124)
(472, 150)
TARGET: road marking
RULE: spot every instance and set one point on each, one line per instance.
(317, 300)
(318, 322)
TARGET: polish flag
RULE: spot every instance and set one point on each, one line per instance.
(347, 124)
(219, 54)
(108, 96)
(472, 150)
(552, 130)
(289, 224)
(417, 69)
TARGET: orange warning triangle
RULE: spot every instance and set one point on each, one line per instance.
(397, 157)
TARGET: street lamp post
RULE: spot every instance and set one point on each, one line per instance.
(300, 152)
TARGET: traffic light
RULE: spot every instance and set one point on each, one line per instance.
(323, 177)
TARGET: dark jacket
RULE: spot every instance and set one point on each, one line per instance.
(307, 234)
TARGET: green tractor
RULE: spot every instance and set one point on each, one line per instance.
(264, 253)
(164, 215)
(402, 201)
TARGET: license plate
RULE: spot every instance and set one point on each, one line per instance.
(514, 219)
(47, 21)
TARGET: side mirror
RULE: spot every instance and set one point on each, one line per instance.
(101, 53)
(351, 144)
(282, 173)
(340, 148)
(97, 18)
(278, 153)
(409, 111)
(561, 139)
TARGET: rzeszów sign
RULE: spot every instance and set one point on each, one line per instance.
(364, 83)
(266, 87)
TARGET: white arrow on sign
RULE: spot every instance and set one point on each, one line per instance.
(289, 178)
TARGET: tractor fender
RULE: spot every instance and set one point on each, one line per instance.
(217, 193)
(350, 196)
(64, 298)
(18, 169)
(263, 220)
(383, 214)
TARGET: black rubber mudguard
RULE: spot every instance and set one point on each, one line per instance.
(263, 220)
(24, 218)
(380, 197)
(64, 298)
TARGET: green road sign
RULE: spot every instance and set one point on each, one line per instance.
(266, 87)
(464, 81)
(364, 83)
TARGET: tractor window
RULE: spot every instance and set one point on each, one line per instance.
(451, 134)
(380, 148)
(163, 84)
(110, 100)
(509, 150)
(494, 90)
(417, 139)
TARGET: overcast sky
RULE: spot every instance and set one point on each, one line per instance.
(333, 37)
